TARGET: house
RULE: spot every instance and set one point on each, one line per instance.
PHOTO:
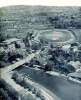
(9, 42)
(78, 70)
(9, 45)
(75, 49)
(1, 49)
(13, 44)
(75, 64)
(21, 44)
(12, 40)
(66, 47)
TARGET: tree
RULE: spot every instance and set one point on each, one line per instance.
(47, 68)
(70, 68)
(2, 37)
(1, 66)
(17, 45)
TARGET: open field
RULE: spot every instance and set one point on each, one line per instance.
(18, 20)
(58, 36)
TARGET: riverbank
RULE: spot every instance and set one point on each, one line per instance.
(58, 85)
(34, 87)
(7, 76)
(74, 80)
(54, 73)
(75, 77)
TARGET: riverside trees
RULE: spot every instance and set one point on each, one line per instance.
(54, 58)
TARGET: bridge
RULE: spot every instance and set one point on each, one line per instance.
(7, 77)
(20, 62)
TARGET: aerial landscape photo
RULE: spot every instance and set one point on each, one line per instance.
(40, 52)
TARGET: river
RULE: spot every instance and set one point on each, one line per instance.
(59, 85)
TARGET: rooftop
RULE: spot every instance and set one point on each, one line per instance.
(75, 64)
(66, 47)
(11, 40)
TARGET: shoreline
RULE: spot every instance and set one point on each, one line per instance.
(73, 80)
(54, 73)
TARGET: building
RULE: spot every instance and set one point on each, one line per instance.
(1, 49)
(66, 47)
(75, 64)
(9, 41)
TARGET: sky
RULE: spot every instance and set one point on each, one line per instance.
(41, 2)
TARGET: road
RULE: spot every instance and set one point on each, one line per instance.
(7, 77)
(20, 62)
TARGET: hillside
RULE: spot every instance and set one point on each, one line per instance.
(19, 20)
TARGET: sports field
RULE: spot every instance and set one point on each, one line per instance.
(57, 35)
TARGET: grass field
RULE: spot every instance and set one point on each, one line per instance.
(57, 35)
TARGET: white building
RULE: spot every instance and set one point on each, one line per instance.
(1, 49)
(66, 47)
(75, 64)
(9, 41)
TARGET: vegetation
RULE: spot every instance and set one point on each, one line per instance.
(4, 95)
(17, 20)
(56, 59)
(1, 66)
(1, 57)
(27, 85)
(7, 92)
